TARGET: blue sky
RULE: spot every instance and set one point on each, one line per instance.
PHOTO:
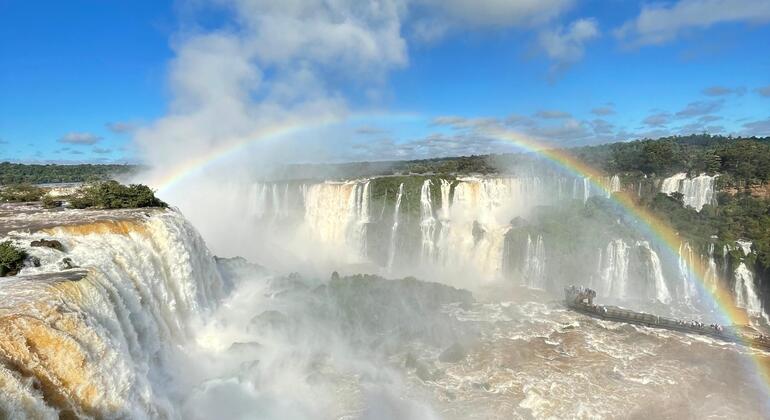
(79, 79)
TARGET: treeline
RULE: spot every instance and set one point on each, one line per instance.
(17, 173)
(740, 158)
(746, 159)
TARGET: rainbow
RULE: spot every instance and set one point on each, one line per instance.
(654, 227)
(232, 146)
(650, 225)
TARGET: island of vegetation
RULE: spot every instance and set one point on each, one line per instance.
(96, 195)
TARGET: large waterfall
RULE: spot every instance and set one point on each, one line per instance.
(94, 341)
(466, 228)
(153, 326)
(696, 192)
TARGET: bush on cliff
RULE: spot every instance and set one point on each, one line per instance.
(11, 259)
(114, 195)
(20, 193)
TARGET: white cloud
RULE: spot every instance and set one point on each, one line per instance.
(659, 23)
(723, 91)
(659, 119)
(698, 108)
(80, 138)
(757, 128)
(603, 110)
(566, 46)
(764, 91)
(119, 127)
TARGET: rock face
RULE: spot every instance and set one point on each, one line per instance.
(48, 243)
(67, 264)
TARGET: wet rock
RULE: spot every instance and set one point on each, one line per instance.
(453, 354)
(270, 319)
(66, 264)
(32, 261)
(518, 222)
(477, 231)
(48, 243)
(423, 372)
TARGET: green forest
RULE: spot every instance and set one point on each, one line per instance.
(18, 173)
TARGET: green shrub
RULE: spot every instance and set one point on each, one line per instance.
(20, 193)
(11, 259)
(50, 202)
(114, 195)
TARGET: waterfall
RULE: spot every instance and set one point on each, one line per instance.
(427, 222)
(687, 290)
(744, 245)
(586, 189)
(696, 192)
(575, 189)
(337, 214)
(614, 185)
(659, 285)
(362, 216)
(712, 278)
(394, 229)
(258, 202)
(745, 293)
(614, 274)
(534, 265)
(93, 342)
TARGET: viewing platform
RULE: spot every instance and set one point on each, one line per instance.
(580, 299)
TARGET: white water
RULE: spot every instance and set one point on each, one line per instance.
(712, 277)
(696, 192)
(427, 222)
(744, 245)
(686, 290)
(662, 293)
(337, 214)
(99, 345)
(614, 270)
(535, 264)
(614, 185)
(745, 294)
(394, 229)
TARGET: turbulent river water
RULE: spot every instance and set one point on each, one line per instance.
(135, 318)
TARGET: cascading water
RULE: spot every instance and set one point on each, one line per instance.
(615, 183)
(337, 214)
(697, 192)
(427, 222)
(394, 229)
(96, 346)
(534, 265)
(745, 295)
(662, 293)
(614, 270)
(686, 291)
(712, 278)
